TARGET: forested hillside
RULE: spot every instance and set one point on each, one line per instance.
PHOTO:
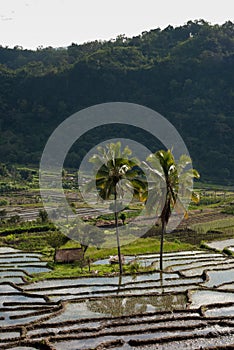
(184, 73)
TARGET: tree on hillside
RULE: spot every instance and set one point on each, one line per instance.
(175, 182)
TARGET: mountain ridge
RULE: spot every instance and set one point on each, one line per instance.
(185, 73)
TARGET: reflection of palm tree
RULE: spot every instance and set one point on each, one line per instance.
(117, 172)
(120, 284)
(118, 306)
(161, 281)
(168, 301)
(174, 176)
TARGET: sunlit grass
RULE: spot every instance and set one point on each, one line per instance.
(139, 246)
(226, 225)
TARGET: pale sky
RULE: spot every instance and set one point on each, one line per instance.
(58, 23)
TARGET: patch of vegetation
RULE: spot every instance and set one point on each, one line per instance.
(228, 252)
(35, 241)
(204, 245)
(124, 215)
(215, 225)
(228, 209)
(75, 270)
(213, 196)
(25, 227)
(140, 246)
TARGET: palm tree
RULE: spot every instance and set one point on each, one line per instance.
(177, 183)
(114, 165)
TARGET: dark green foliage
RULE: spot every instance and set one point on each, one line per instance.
(227, 252)
(23, 229)
(35, 240)
(3, 202)
(3, 213)
(185, 73)
(15, 219)
(123, 217)
(56, 239)
(3, 170)
(43, 215)
(9, 187)
(209, 200)
(26, 174)
(229, 209)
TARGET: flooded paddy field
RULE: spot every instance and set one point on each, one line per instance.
(189, 306)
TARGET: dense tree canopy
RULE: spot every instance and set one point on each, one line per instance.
(185, 73)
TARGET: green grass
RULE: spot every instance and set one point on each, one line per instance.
(209, 186)
(74, 271)
(228, 252)
(140, 246)
(225, 225)
(43, 242)
(229, 209)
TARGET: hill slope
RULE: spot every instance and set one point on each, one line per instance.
(185, 73)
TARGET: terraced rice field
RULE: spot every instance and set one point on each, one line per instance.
(189, 306)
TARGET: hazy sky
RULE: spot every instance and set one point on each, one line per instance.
(31, 23)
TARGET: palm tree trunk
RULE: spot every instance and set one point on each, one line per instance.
(161, 244)
(120, 283)
(117, 237)
(161, 281)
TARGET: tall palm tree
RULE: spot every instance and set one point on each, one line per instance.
(114, 165)
(177, 183)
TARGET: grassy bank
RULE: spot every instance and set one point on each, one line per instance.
(224, 225)
(140, 246)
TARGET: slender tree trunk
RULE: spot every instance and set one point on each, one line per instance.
(120, 283)
(161, 244)
(161, 281)
(117, 237)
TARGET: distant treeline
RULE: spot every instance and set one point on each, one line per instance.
(184, 73)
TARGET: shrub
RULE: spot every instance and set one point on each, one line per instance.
(56, 239)
(43, 215)
(227, 252)
(123, 217)
(3, 202)
(134, 267)
(228, 210)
